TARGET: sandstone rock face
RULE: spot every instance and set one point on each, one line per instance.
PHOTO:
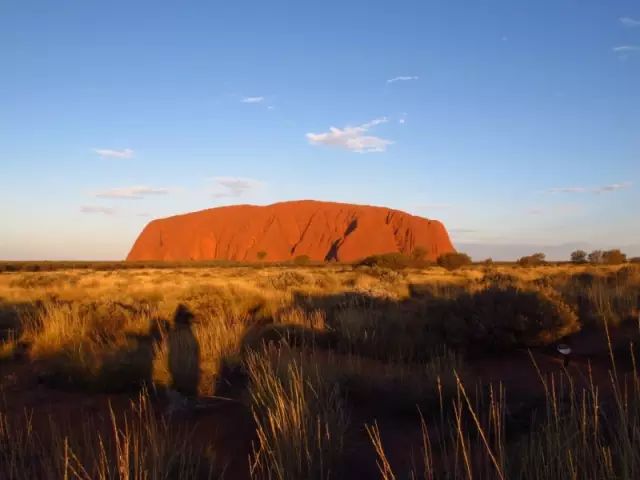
(322, 230)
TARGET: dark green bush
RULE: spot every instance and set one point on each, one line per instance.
(454, 260)
(534, 260)
(596, 257)
(302, 260)
(579, 256)
(419, 254)
(395, 261)
(502, 317)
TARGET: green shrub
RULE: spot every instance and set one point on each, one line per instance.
(614, 257)
(302, 260)
(534, 260)
(454, 260)
(396, 261)
(596, 256)
(502, 317)
(579, 256)
(419, 254)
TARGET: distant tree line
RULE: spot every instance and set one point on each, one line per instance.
(600, 257)
(532, 260)
(417, 259)
(578, 257)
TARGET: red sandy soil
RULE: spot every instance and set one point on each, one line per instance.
(322, 230)
(228, 424)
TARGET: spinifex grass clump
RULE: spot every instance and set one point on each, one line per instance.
(300, 419)
(79, 346)
(463, 438)
(135, 446)
(584, 433)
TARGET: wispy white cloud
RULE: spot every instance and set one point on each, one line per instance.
(626, 48)
(234, 186)
(629, 22)
(612, 187)
(97, 209)
(252, 100)
(402, 79)
(568, 190)
(110, 153)
(601, 189)
(138, 191)
(352, 138)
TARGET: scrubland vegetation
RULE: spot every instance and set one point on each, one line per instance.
(389, 369)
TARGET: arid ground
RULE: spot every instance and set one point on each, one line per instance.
(319, 372)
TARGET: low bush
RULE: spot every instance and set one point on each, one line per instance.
(287, 279)
(387, 275)
(419, 254)
(614, 257)
(579, 256)
(534, 260)
(502, 317)
(395, 261)
(302, 260)
(454, 260)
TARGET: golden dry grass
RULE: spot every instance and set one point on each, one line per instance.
(306, 338)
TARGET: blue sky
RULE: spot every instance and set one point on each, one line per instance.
(515, 123)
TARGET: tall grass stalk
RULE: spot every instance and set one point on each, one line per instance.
(300, 419)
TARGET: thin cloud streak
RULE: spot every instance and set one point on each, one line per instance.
(597, 190)
(568, 190)
(629, 22)
(612, 188)
(352, 138)
(626, 48)
(402, 79)
(97, 209)
(253, 100)
(135, 192)
(234, 186)
(110, 153)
